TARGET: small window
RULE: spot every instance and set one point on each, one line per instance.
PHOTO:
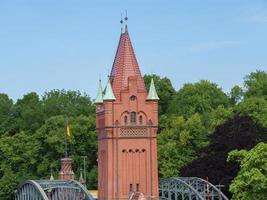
(141, 120)
(125, 120)
(131, 187)
(133, 118)
(137, 187)
(133, 98)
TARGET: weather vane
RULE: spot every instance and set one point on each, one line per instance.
(126, 19)
(121, 22)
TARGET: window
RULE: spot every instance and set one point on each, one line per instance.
(131, 187)
(125, 120)
(141, 120)
(133, 118)
(133, 98)
(137, 187)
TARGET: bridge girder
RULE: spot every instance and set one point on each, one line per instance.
(52, 190)
(188, 188)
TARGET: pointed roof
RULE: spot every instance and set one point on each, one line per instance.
(99, 98)
(109, 92)
(152, 94)
(125, 65)
(81, 180)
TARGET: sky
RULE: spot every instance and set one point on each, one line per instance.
(69, 44)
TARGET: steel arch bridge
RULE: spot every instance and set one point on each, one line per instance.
(52, 190)
(188, 188)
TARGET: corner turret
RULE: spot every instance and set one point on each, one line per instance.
(152, 94)
(109, 95)
(99, 98)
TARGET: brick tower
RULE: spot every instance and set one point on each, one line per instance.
(127, 124)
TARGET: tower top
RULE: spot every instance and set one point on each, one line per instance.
(125, 65)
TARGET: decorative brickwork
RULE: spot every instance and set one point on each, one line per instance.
(133, 132)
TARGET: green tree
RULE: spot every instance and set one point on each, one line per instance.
(201, 97)
(236, 95)
(178, 143)
(256, 84)
(255, 107)
(217, 117)
(71, 103)
(251, 181)
(29, 113)
(164, 89)
(51, 142)
(18, 161)
(6, 105)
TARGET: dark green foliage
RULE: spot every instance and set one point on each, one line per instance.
(240, 132)
(5, 111)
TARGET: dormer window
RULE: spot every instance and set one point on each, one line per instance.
(133, 118)
(133, 98)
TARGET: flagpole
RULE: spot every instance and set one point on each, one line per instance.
(65, 137)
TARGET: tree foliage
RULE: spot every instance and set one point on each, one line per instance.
(201, 97)
(256, 84)
(251, 181)
(164, 89)
(32, 137)
(178, 143)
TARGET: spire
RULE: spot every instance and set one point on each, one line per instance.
(109, 92)
(125, 65)
(99, 98)
(152, 94)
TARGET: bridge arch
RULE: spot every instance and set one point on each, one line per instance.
(192, 188)
(52, 189)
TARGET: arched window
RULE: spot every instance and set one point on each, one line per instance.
(133, 98)
(140, 120)
(133, 118)
(125, 120)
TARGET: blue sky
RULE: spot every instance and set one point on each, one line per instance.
(68, 44)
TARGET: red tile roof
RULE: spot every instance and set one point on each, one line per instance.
(124, 66)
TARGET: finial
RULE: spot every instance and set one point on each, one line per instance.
(51, 174)
(126, 19)
(121, 23)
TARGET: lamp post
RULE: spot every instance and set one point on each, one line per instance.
(84, 169)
